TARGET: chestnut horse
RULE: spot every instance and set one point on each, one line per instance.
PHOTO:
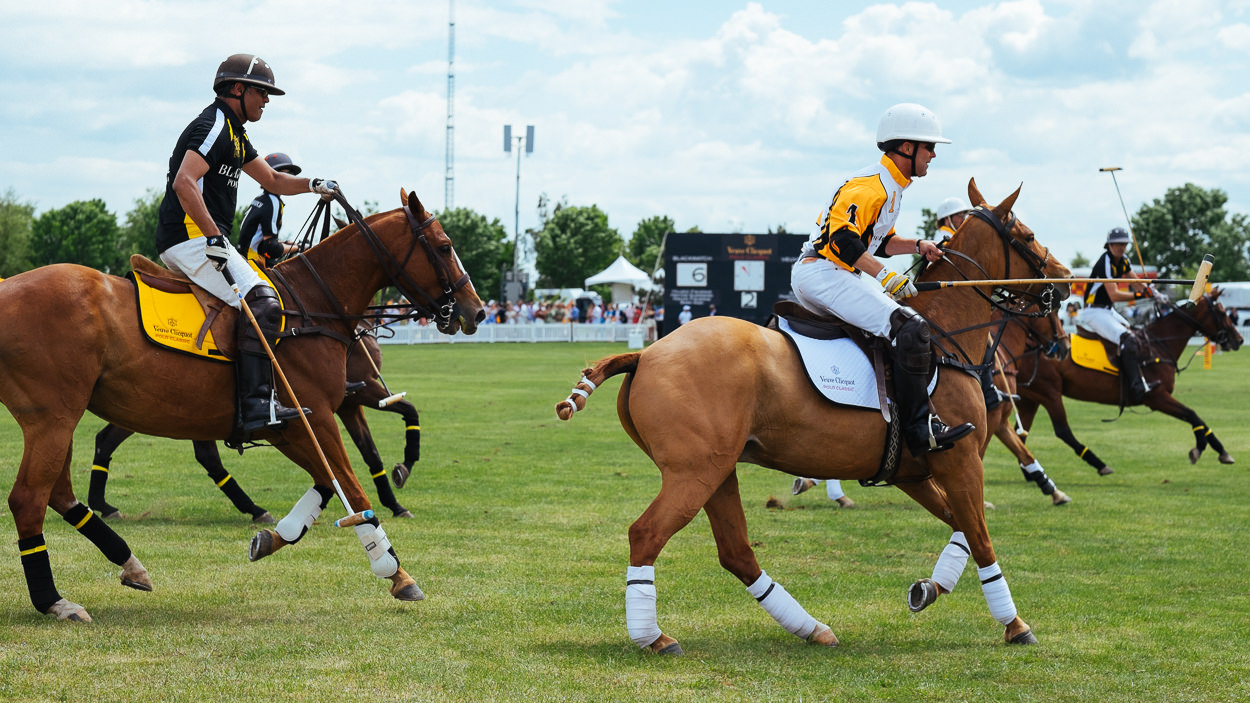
(1018, 339)
(364, 389)
(1044, 382)
(72, 344)
(720, 390)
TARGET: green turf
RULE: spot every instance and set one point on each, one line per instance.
(1137, 590)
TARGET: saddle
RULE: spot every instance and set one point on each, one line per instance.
(1091, 351)
(179, 315)
(809, 324)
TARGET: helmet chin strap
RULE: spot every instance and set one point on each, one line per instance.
(915, 147)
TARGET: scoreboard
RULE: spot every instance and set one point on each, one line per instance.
(741, 275)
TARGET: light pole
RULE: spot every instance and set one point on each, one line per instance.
(516, 241)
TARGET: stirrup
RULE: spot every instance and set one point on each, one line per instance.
(940, 436)
(275, 419)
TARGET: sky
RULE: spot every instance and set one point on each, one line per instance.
(727, 116)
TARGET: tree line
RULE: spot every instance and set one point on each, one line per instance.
(574, 242)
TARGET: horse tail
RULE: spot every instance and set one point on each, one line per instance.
(591, 378)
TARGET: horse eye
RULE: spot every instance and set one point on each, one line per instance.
(445, 249)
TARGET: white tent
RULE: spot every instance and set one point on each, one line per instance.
(624, 277)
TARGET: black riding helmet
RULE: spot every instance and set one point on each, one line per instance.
(281, 162)
(249, 69)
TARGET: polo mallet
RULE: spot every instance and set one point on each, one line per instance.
(998, 366)
(390, 399)
(1200, 281)
(1112, 170)
(937, 285)
(225, 271)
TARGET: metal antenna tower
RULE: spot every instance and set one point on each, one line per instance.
(449, 184)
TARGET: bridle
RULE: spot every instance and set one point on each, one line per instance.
(441, 310)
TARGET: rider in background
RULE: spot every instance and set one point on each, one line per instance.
(197, 214)
(1099, 314)
(856, 226)
(950, 214)
(258, 233)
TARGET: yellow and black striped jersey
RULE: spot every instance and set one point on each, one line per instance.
(859, 216)
(1106, 267)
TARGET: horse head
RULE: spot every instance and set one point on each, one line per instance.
(1213, 322)
(1019, 247)
(456, 306)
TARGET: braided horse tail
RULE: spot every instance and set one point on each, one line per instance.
(592, 377)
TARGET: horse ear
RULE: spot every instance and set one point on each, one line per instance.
(414, 204)
(403, 196)
(974, 194)
(1005, 206)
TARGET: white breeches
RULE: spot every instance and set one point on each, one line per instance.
(1105, 322)
(189, 260)
(860, 300)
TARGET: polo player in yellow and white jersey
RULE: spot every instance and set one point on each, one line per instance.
(854, 227)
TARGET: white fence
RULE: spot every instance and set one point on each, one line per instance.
(636, 335)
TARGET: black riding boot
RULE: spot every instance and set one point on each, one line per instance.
(258, 409)
(1130, 369)
(923, 431)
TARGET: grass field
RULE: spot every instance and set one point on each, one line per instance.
(1137, 590)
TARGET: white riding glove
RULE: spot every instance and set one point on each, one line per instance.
(217, 249)
(896, 285)
(324, 187)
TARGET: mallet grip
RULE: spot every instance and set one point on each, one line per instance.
(392, 399)
(1200, 281)
(354, 519)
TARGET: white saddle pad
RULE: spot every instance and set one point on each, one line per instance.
(838, 369)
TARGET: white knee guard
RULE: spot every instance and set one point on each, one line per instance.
(782, 606)
(640, 605)
(378, 547)
(997, 594)
(951, 562)
(292, 527)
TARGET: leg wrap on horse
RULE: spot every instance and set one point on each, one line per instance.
(951, 562)
(997, 594)
(38, 569)
(112, 546)
(640, 618)
(782, 606)
(1034, 472)
(382, 558)
(292, 527)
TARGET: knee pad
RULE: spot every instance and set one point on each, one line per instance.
(263, 302)
(911, 336)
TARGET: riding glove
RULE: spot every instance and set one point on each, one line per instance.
(896, 285)
(323, 186)
(217, 250)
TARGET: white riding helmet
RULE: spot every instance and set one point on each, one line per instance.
(952, 206)
(912, 122)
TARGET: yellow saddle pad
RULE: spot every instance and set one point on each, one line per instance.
(1092, 354)
(172, 316)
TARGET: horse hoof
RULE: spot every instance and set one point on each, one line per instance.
(845, 502)
(1194, 454)
(402, 513)
(135, 576)
(263, 544)
(1025, 637)
(823, 636)
(921, 595)
(399, 475)
(989, 505)
(1106, 471)
(264, 519)
(65, 610)
(667, 645)
(1227, 458)
(1059, 498)
(403, 587)
(801, 485)
(112, 514)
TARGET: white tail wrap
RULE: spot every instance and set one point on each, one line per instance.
(584, 394)
(778, 603)
(640, 617)
(293, 526)
(997, 594)
(378, 547)
(951, 562)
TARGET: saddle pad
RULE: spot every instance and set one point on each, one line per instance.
(837, 367)
(177, 321)
(1091, 354)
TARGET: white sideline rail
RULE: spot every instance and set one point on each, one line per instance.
(408, 333)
